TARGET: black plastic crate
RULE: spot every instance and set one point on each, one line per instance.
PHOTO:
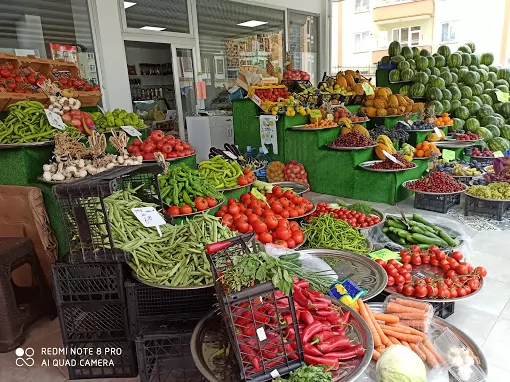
(85, 215)
(93, 321)
(492, 208)
(253, 318)
(107, 359)
(74, 283)
(147, 304)
(437, 203)
(164, 354)
(443, 309)
(484, 161)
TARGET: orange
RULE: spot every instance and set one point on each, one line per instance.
(425, 145)
(445, 115)
(419, 153)
(419, 146)
(426, 153)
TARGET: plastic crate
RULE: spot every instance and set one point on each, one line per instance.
(74, 283)
(443, 309)
(147, 304)
(164, 354)
(436, 203)
(484, 161)
(93, 321)
(252, 319)
(107, 359)
(492, 208)
(85, 215)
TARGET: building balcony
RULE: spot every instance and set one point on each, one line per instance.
(390, 11)
(379, 53)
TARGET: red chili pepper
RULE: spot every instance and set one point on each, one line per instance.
(286, 319)
(319, 306)
(298, 315)
(306, 317)
(325, 313)
(244, 318)
(330, 363)
(311, 330)
(315, 293)
(300, 299)
(334, 319)
(241, 306)
(321, 337)
(291, 352)
(290, 334)
(274, 338)
(260, 318)
(304, 284)
(250, 355)
(216, 247)
(321, 300)
(280, 295)
(311, 350)
(249, 330)
(269, 351)
(352, 352)
(319, 318)
(335, 343)
(273, 364)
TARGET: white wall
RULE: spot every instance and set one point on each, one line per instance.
(351, 24)
(314, 6)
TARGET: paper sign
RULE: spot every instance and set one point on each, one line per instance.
(330, 117)
(391, 157)
(498, 154)
(274, 374)
(261, 334)
(149, 217)
(448, 155)
(367, 88)
(256, 99)
(315, 113)
(230, 155)
(438, 132)
(131, 131)
(384, 254)
(502, 97)
(55, 120)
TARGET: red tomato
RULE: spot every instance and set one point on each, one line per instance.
(408, 278)
(185, 209)
(298, 237)
(409, 267)
(227, 220)
(394, 263)
(252, 219)
(258, 211)
(381, 262)
(242, 181)
(481, 271)
(461, 292)
(285, 214)
(408, 290)
(276, 207)
(293, 213)
(443, 292)
(291, 243)
(457, 255)
(241, 225)
(402, 271)
(174, 211)
(277, 191)
(451, 273)
(219, 214)
(425, 259)
(415, 249)
(474, 284)
(434, 262)
(260, 227)
(391, 281)
(289, 194)
(280, 242)
(233, 209)
(265, 237)
(283, 233)
(201, 203)
(391, 270)
(420, 291)
(246, 198)
(462, 269)
(294, 226)
(440, 255)
(435, 249)
(432, 291)
(416, 260)
(453, 293)
(271, 222)
(400, 288)
(224, 208)
(406, 258)
(211, 201)
(399, 279)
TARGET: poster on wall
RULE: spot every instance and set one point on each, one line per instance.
(64, 52)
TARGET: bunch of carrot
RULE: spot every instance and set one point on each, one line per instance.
(387, 330)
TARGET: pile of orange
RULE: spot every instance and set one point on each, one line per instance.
(443, 120)
(323, 123)
(424, 149)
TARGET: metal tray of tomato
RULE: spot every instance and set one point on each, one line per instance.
(209, 344)
(305, 214)
(351, 148)
(235, 188)
(366, 166)
(364, 271)
(303, 128)
(437, 327)
(380, 215)
(431, 193)
(298, 188)
(220, 202)
(168, 159)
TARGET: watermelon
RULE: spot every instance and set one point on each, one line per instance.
(427, 71)
(435, 71)
(458, 124)
(484, 75)
(488, 85)
(421, 63)
(447, 95)
(485, 111)
(493, 68)
(491, 120)
(482, 85)
(406, 75)
(437, 82)
(499, 144)
(466, 92)
(487, 59)
(466, 59)
(505, 109)
(475, 59)
(438, 106)
(412, 64)
(407, 52)
(505, 131)
(404, 90)
(416, 52)
(471, 78)
(472, 124)
(395, 75)
(485, 133)
(471, 46)
(494, 130)
(440, 61)
(424, 53)
(486, 99)
(477, 100)
(503, 88)
(394, 49)
(455, 60)
(477, 89)
(464, 49)
(504, 74)
(385, 60)
(421, 78)
(493, 77)
(462, 112)
(397, 59)
(444, 69)
(473, 107)
(501, 82)
(496, 106)
(434, 94)
(472, 68)
(446, 105)
(403, 65)
(464, 101)
(462, 73)
(447, 77)
(431, 61)
(444, 50)
(417, 90)
(454, 104)
(454, 70)
(455, 77)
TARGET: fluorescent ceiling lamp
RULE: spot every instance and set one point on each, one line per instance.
(147, 28)
(128, 4)
(252, 23)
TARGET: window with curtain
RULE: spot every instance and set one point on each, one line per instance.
(362, 42)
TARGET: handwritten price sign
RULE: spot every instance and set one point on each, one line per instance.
(149, 217)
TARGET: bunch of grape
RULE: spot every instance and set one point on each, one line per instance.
(421, 125)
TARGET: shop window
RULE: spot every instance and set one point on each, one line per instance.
(304, 42)
(361, 6)
(410, 36)
(49, 29)
(448, 31)
(362, 42)
(158, 15)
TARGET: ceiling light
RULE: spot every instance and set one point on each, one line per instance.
(128, 4)
(252, 23)
(147, 28)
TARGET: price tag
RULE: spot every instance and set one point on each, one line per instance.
(330, 117)
(448, 155)
(149, 217)
(498, 154)
(230, 155)
(315, 113)
(261, 334)
(384, 254)
(438, 132)
(502, 97)
(55, 120)
(391, 157)
(256, 99)
(131, 131)
(367, 88)
(275, 374)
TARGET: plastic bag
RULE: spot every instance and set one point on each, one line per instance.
(414, 308)
(295, 172)
(450, 226)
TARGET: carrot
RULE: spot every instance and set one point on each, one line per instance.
(388, 318)
(384, 339)
(364, 314)
(417, 324)
(410, 316)
(414, 331)
(394, 340)
(396, 329)
(394, 307)
(418, 351)
(403, 336)
(431, 348)
(406, 344)
(431, 359)
(413, 304)
(376, 355)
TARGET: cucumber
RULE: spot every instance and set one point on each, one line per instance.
(414, 223)
(417, 229)
(396, 224)
(451, 242)
(396, 239)
(419, 219)
(411, 240)
(399, 232)
(428, 240)
(385, 229)
(431, 234)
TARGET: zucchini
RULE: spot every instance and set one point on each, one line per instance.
(451, 242)
(419, 219)
(396, 224)
(410, 239)
(428, 240)
(417, 229)
(414, 223)
(395, 238)
(385, 229)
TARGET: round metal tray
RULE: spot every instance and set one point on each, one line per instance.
(451, 139)
(196, 213)
(453, 144)
(169, 159)
(417, 131)
(210, 337)
(366, 166)
(235, 188)
(434, 272)
(432, 193)
(436, 327)
(489, 200)
(30, 144)
(380, 215)
(351, 148)
(303, 128)
(304, 215)
(364, 271)
(42, 180)
(133, 273)
(298, 188)
(422, 158)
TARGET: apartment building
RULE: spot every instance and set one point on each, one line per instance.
(364, 28)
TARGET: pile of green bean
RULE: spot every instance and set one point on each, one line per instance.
(177, 258)
(325, 231)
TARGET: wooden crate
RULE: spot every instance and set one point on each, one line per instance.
(12, 98)
(88, 98)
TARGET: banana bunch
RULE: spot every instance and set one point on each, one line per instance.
(345, 121)
(408, 152)
(386, 141)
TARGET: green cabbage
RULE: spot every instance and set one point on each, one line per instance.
(400, 364)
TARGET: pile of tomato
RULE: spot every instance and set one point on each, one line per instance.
(169, 146)
(267, 219)
(460, 278)
(354, 218)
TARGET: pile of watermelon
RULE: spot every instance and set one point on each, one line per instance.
(462, 83)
